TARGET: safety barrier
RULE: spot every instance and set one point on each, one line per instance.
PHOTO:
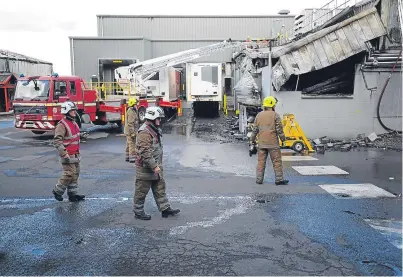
(112, 90)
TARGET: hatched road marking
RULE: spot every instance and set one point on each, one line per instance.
(319, 170)
(298, 158)
(356, 191)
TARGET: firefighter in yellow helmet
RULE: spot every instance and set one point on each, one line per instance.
(131, 128)
(269, 128)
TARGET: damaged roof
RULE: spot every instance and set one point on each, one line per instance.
(327, 46)
(5, 54)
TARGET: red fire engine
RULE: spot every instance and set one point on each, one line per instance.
(38, 99)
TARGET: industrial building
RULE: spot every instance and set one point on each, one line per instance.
(11, 66)
(122, 40)
(334, 79)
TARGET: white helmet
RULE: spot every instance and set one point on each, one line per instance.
(68, 106)
(152, 113)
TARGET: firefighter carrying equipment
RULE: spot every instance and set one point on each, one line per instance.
(269, 102)
(68, 106)
(132, 101)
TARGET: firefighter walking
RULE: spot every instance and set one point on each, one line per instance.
(131, 128)
(67, 142)
(268, 128)
(149, 169)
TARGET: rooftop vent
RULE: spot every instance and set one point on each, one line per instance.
(283, 12)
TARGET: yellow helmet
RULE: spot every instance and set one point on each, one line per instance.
(132, 101)
(269, 102)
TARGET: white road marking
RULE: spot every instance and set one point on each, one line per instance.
(222, 217)
(356, 191)
(182, 199)
(319, 170)
(298, 158)
(28, 158)
(391, 229)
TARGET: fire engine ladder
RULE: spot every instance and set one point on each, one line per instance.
(151, 67)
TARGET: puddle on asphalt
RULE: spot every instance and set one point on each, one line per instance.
(381, 269)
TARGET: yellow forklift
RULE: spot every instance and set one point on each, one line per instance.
(294, 136)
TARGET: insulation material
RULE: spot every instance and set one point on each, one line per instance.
(246, 84)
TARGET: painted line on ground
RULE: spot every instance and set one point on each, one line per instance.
(183, 199)
(346, 191)
(319, 170)
(298, 158)
(391, 229)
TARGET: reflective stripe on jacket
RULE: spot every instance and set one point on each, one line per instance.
(67, 140)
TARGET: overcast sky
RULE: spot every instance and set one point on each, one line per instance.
(41, 28)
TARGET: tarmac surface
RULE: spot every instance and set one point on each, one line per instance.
(343, 218)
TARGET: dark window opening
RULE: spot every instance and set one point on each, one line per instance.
(60, 89)
(334, 80)
(73, 88)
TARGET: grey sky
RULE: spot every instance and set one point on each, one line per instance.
(41, 29)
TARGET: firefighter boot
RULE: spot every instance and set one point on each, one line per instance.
(76, 197)
(283, 182)
(169, 212)
(142, 216)
(57, 196)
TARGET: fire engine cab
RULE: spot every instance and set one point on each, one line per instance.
(38, 99)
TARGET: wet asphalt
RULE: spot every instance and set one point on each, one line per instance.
(228, 225)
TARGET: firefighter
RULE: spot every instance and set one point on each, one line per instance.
(67, 142)
(268, 128)
(131, 127)
(149, 170)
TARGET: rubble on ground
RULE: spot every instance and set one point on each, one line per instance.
(222, 130)
(392, 141)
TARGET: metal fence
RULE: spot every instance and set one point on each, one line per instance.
(315, 18)
(112, 90)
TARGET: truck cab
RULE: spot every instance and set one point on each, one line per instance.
(37, 100)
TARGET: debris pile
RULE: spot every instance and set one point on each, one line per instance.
(391, 141)
(223, 130)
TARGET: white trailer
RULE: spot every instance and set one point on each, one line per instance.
(204, 87)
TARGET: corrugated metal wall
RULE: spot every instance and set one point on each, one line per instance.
(197, 28)
(25, 67)
(161, 48)
(87, 51)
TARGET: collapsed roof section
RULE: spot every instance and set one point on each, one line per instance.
(327, 46)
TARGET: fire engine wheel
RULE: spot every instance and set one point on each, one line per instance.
(38, 132)
(298, 146)
(142, 114)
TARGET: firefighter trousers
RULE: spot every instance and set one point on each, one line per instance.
(275, 156)
(69, 179)
(141, 191)
(130, 148)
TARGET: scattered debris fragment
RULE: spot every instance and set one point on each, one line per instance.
(372, 137)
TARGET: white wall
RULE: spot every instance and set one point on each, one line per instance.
(346, 118)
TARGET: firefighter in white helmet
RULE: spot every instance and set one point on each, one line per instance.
(149, 170)
(67, 142)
